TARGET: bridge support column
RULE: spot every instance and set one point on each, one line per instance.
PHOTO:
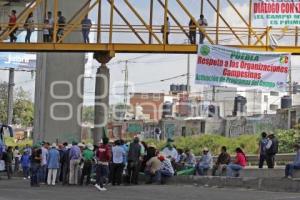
(101, 95)
(59, 85)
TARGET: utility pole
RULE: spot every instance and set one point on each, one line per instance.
(126, 85)
(11, 85)
(213, 93)
(188, 82)
(290, 83)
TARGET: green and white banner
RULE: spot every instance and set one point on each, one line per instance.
(223, 66)
(276, 12)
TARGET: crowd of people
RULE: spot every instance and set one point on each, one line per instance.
(48, 27)
(86, 25)
(118, 162)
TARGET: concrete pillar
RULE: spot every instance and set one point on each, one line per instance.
(101, 95)
(10, 107)
(59, 86)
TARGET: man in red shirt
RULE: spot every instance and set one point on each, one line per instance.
(103, 155)
(12, 23)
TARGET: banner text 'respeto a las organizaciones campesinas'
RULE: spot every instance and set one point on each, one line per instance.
(223, 66)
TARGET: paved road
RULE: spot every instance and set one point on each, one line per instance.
(20, 190)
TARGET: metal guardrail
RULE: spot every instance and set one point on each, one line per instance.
(252, 160)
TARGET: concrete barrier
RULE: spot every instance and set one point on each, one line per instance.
(266, 184)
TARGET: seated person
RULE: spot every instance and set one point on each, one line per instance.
(170, 151)
(179, 162)
(152, 170)
(166, 169)
(222, 161)
(239, 163)
(289, 168)
(205, 163)
(190, 160)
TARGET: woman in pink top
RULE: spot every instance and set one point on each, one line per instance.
(239, 163)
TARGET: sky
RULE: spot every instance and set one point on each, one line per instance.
(146, 72)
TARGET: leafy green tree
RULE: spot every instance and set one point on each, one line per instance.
(22, 109)
(3, 101)
(88, 114)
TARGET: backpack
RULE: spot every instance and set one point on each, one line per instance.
(274, 147)
(263, 145)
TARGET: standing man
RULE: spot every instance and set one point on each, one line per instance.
(36, 159)
(50, 25)
(88, 155)
(262, 149)
(8, 158)
(86, 24)
(103, 155)
(43, 168)
(53, 164)
(168, 30)
(65, 162)
(17, 159)
(61, 24)
(202, 23)
(74, 156)
(12, 23)
(134, 157)
(118, 154)
(157, 132)
(192, 34)
(272, 150)
(29, 26)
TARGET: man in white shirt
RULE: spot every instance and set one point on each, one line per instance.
(170, 152)
(202, 23)
(43, 169)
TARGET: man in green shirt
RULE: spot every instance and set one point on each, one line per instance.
(88, 156)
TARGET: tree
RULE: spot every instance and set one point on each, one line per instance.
(22, 108)
(88, 114)
(3, 101)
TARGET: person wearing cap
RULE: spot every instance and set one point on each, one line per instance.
(166, 169)
(170, 151)
(53, 164)
(271, 150)
(118, 154)
(74, 156)
(205, 163)
(87, 156)
(289, 168)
